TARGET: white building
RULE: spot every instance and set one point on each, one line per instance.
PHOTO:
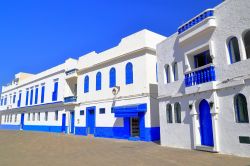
(110, 94)
(204, 81)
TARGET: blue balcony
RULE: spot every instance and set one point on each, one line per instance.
(196, 20)
(70, 99)
(200, 75)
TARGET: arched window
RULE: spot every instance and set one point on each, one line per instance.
(247, 43)
(169, 113)
(99, 81)
(175, 71)
(240, 107)
(177, 112)
(86, 84)
(167, 73)
(112, 77)
(129, 73)
(233, 48)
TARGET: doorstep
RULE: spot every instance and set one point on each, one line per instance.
(206, 148)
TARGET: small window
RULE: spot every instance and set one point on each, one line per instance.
(241, 111)
(175, 71)
(169, 113)
(82, 112)
(34, 116)
(38, 116)
(112, 110)
(247, 43)
(233, 48)
(177, 112)
(102, 111)
(28, 116)
(56, 115)
(46, 116)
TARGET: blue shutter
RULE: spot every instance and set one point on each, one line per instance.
(112, 77)
(31, 97)
(99, 81)
(86, 84)
(27, 98)
(42, 94)
(14, 99)
(54, 94)
(129, 73)
(19, 100)
(36, 96)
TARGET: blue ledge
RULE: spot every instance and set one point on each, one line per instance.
(9, 127)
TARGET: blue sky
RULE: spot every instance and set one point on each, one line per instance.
(38, 34)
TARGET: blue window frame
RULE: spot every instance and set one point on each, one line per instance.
(14, 99)
(55, 92)
(233, 49)
(19, 100)
(86, 84)
(27, 98)
(1, 101)
(42, 94)
(112, 77)
(5, 101)
(102, 111)
(175, 71)
(99, 81)
(81, 112)
(129, 73)
(36, 95)
(167, 74)
(31, 96)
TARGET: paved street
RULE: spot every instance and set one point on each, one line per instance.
(35, 149)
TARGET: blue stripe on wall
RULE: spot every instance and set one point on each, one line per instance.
(9, 127)
(57, 129)
(81, 131)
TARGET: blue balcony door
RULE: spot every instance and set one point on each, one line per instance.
(64, 123)
(22, 121)
(206, 127)
(72, 122)
(91, 120)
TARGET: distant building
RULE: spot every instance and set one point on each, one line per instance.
(110, 94)
(204, 81)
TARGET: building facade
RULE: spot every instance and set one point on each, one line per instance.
(111, 94)
(204, 81)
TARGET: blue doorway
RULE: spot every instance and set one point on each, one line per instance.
(90, 120)
(72, 122)
(206, 127)
(22, 121)
(64, 123)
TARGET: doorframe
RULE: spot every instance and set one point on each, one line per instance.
(87, 118)
(65, 125)
(70, 120)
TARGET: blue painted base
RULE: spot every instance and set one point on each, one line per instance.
(81, 131)
(57, 129)
(9, 127)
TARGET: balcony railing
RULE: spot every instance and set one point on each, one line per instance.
(196, 20)
(200, 75)
(70, 99)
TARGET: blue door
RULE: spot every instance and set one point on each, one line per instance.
(22, 121)
(64, 123)
(72, 122)
(206, 128)
(91, 120)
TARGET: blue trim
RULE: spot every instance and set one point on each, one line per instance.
(19, 100)
(27, 98)
(22, 121)
(42, 104)
(129, 73)
(14, 99)
(98, 81)
(5, 101)
(129, 110)
(86, 84)
(55, 92)
(195, 21)
(112, 77)
(9, 127)
(57, 129)
(72, 122)
(64, 123)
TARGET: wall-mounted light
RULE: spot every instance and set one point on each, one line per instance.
(115, 90)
